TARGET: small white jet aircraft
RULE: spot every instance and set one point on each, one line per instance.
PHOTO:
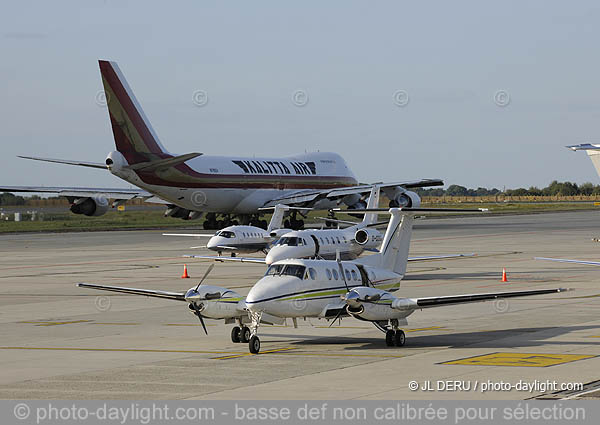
(240, 239)
(328, 289)
(194, 184)
(348, 243)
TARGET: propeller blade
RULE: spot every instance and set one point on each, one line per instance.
(337, 316)
(197, 310)
(205, 275)
(342, 270)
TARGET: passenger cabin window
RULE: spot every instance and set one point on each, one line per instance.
(338, 239)
(313, 273)
(348, 276)
(328, 272)
(335, 274)
(354, 275)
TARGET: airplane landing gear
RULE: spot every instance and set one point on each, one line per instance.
(245, 335)
(235, 334)
(240, 333)
(293, 223)
(330, 223)
(254, 342)
(211, 222)
(394, 336)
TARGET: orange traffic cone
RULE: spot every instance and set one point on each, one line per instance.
(504, 279)
(185, 274)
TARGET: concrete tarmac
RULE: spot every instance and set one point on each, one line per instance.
(60, 341)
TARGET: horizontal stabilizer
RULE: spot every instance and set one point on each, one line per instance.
(163, 163)
(584, 147)
(254, 260)
(197, 235)
(441, 257)
(67, 162)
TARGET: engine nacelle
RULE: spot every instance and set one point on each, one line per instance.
(377, 312)
(92, 207)
(405, 199)
(368, 238)
(182, 213)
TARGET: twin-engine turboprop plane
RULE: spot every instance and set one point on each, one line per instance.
(240, 239)
(330, 289)
(195, 184)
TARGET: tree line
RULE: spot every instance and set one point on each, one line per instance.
(553, 189)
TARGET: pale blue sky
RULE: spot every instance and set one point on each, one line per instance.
(349, 56)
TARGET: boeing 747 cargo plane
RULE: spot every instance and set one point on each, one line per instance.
(194, 184)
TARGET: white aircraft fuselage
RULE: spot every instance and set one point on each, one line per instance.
(236, 184)
(304, 288)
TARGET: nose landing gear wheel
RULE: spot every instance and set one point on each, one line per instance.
(254, 344)
(399, 338)
(236, 334)
(245, 334)
(389, 338)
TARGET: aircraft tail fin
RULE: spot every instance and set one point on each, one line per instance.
(373, 202)
(393, 254)
(134, 137)
(593, 151)
(277, 217)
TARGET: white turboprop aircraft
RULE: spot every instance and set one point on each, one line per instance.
(240, 239)
(330, 289)
(194, 184)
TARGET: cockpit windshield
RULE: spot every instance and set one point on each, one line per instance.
(288, 240)
(226, 234)
(286, 270)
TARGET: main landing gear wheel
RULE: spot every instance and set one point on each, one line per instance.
(254, 344)
(236, 334)
(389, 338)
(395, 338)
(245, 334)
(399, 338)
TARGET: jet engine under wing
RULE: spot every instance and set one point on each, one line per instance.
(81, 192)
(178, 296)
(303, 197)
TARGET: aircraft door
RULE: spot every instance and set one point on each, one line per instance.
(314, 238)
(364, 277)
